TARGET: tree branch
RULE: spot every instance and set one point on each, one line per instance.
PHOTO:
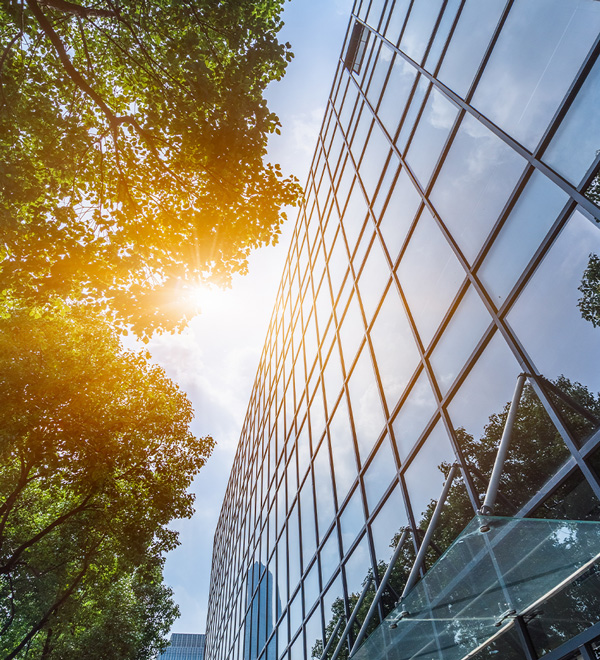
(114, 120)
(78, 10)
(55, 606)
(14, 558)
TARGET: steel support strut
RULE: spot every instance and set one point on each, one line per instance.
(489, 502)
(414, 573)
(380, 590)
(351, 620)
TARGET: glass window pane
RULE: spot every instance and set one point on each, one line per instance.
(528, 223)
(397, 91)
(397, 18)
(399, 214)
(337, 263)
(282, 570)
(430, 136)
(394, 346)
(419, 26)
(391, 170)
(373, 279)
(414, 415)
(489, 385)
(342, 450)
(354, 216)
(380, 71)
(311, 587)
(323, 489)
(540, 49)
(295, 613)
(430, 276)
(351, 332)
(547, 317)
(424, 476)
(413, 111)
(307, 513)
(373, 160)
(441, 34)
(352, 519)
(367, 412)
(330, 558)
(379, 474)
(294, 565)
(387, 525)
(466, 328)
(475, 182)
(469, 42)
(333, 376)
(577, 141)
(357, 569)
(314, 634)
(333, 604)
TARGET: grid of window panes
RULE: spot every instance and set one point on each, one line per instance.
(184, 646)
(448, 232)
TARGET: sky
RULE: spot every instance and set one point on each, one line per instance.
(215, 360)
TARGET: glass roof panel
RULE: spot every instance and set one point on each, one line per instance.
(485, 578)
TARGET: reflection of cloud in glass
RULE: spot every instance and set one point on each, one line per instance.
(471, 190)
(430, 276)
(366, 405)
(423, 480)
(416, 411)
(342, 449)
(546, 316)
(539, 51)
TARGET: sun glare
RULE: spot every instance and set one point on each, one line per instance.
(205, 299)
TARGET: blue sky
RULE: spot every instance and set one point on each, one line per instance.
(215, 360)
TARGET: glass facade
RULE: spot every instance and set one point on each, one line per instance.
(184, 646)
(448, 242)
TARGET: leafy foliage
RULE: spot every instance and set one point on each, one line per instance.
(96, 457)
(132, 143)
(589, 303)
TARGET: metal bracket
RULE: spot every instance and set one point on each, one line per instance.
(394, 622)
(509, 614)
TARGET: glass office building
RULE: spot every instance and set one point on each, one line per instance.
(440, 300)
(184, 646)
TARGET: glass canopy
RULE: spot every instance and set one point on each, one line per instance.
(481, 583)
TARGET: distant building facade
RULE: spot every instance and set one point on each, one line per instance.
(184, 646)
(449, 242)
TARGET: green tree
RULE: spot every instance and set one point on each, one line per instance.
(132, 141)
(96, 457)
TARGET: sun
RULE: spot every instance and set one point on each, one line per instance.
(204, 298)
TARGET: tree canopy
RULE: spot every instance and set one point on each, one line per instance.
(132, 140)
(96, 457)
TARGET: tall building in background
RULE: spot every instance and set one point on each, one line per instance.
(445, 263)
(184, 646)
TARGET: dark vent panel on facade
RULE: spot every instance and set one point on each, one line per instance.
(356, 48)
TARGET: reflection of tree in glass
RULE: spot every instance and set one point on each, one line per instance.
(535, 453)
(589, 303)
